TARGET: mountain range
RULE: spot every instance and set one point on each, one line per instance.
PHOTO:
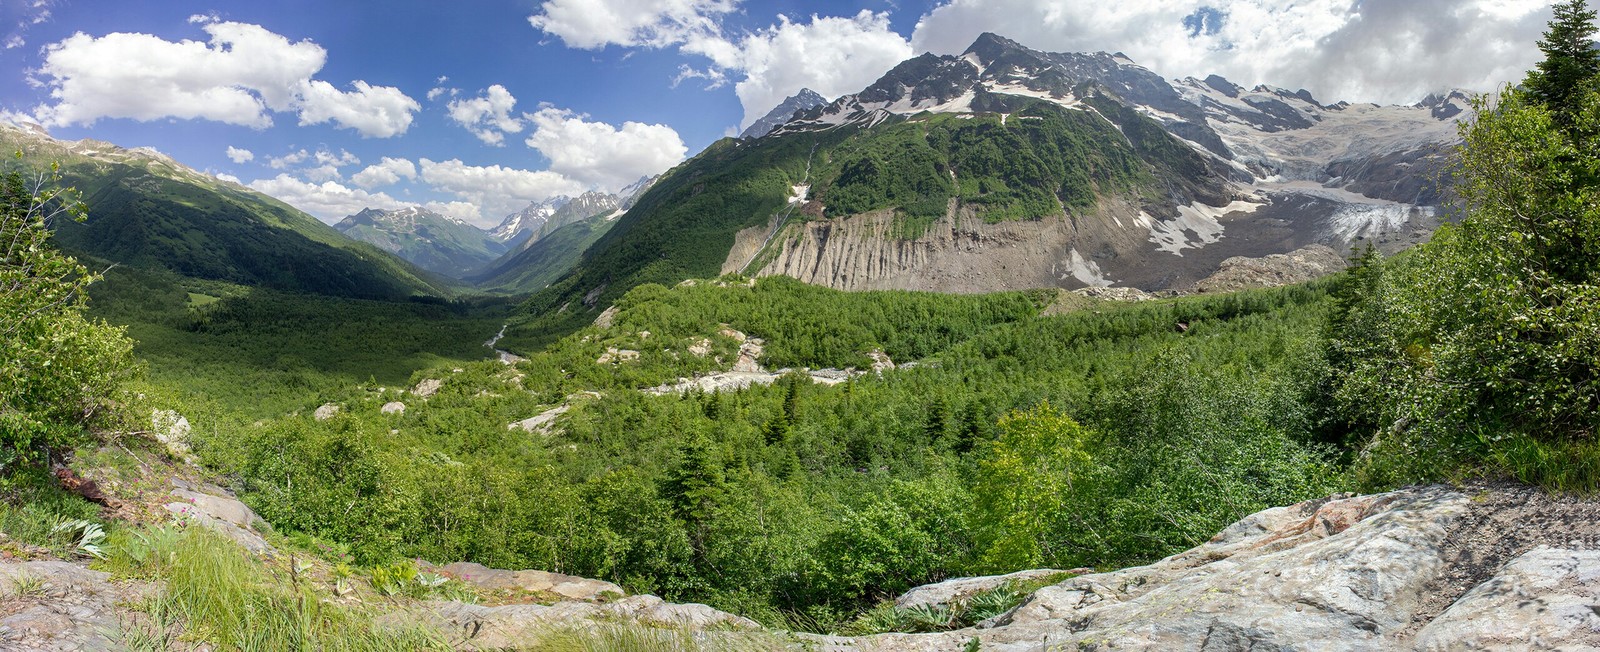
(999, 168)
(1008, 168)
(497, 258)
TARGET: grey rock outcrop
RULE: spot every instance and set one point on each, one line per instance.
(1432, 568)
(56, 606)
(955, 590)
(327, 411)
(394, 407)
(212, 507)
(508, 626)
(570, 587)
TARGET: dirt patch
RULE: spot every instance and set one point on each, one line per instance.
(1504, 521)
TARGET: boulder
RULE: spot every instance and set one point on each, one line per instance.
(172, 430)
(394, 407)
(327, 411)
(541, 422)
(428, 387)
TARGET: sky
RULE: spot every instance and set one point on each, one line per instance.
(477, 108)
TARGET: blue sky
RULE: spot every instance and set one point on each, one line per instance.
(476, 108)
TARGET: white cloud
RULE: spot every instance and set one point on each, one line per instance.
(488, 117)
(288, 160)
(242, 75)
(387, 172)
(830, 55)
(240, 156)
(343, 158)
(328, 201)
(324, 172)
(594, 24)
(435, 92)
(227, 177)
(460, 210)
(1376, 50)
(373, 111)
(599, 154)
(495, 190)
(15, 41)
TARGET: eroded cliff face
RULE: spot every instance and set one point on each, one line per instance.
(958, 253)
(1118, 245)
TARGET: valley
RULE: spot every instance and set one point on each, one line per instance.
(1008, 350)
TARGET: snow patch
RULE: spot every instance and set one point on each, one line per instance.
(1086, 271)
(799, 193)
(1199, 220)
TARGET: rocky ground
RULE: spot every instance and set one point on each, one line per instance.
(1482, 567)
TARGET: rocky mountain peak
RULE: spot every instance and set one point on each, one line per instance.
(804, 100)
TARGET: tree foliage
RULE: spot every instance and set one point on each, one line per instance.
(57, 369)
(1477, 351)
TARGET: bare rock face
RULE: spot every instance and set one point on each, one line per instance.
(1431, 568)
(55, 606)
(1544, 599)
(213, 507)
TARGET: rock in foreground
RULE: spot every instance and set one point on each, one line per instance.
(1430, 568)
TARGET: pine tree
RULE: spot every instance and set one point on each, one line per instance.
(1570, 62)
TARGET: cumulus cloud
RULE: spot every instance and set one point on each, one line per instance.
(387, 172)
(240, 156)
(242, 75)
(495, 191)
(1374, 50)
(373, 111)
(328, 200)
(288, 160)
(488, 117)
(598, 154)
(830, 55)
(343, 158)
(593, 24)
(458, 210)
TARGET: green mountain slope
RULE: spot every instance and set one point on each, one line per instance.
(147, 210)
(425, 238)
(1043, 160)
(544, 261)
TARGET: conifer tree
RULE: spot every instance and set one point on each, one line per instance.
(1570, 62)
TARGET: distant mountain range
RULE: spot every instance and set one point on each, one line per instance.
(147, 210)
(490, 257)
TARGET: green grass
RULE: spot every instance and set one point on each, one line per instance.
(211, 590)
